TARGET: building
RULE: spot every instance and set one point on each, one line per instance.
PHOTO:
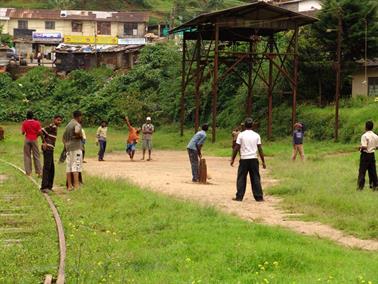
(71, 57)
(308, 7)
(366, 84)
(302, 6)
(43, 30)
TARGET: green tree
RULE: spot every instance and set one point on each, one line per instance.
(62, 4)
(5, 38)
(354, 16)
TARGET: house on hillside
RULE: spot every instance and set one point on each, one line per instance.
(43, 30)
(365, 81)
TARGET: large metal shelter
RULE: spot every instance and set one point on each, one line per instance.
(252, 24)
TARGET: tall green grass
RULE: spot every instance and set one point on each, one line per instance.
(37, 253)
(320, 121)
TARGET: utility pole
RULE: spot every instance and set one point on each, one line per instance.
(338, 72)
(95, 41)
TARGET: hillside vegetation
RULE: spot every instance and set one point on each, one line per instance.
(153, 88)
(161, 7)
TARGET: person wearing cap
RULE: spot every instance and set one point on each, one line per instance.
(298, 135)
(249, 144)
(194, 150)
(147, 131)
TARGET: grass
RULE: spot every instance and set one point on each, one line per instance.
(36, 256)
(135, 236)
(118, 233)
(324, 189)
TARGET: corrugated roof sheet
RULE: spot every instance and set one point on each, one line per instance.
(259, 15)
(43, 14)
(78, 48)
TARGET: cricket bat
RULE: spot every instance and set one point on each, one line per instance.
(203, 171)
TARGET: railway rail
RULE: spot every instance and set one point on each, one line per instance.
(60, 278)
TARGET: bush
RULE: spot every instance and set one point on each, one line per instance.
(153, 88)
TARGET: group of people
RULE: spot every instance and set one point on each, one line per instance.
(247, 143)
(147, 130)
(74, 140)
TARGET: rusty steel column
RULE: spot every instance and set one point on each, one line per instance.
(270, 87)
(250, 86)
(183, 83)
(295, 85)
(215, 84)
(198, 82)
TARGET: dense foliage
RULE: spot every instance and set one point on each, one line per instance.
(153, 88)
(319, 41)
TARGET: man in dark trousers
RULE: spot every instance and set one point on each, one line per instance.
(369, 143)
(194, 151)
(248, 143)
(49, 135)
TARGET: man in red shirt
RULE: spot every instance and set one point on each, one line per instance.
(31, 129)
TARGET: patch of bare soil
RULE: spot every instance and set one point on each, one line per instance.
(169, 173)
(2, 178)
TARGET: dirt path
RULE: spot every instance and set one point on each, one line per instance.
(169, 173)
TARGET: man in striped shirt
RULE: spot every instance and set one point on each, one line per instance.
(49, 135)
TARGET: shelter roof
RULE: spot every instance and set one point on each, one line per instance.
(239, 23)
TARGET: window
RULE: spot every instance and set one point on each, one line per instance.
(77, 26)
(50, 25)
(23, 24)
(373, 86)
(104, 28)
(130, 29)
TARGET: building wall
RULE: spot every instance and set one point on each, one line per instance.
(302, 5)
(4, 24)
(309, 5)
(358, 88)
(291, 6)
(141, 30)
(65, 27)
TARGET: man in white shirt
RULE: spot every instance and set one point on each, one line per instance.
(248, 143)
(369, 143)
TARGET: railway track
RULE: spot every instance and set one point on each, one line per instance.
(60, 277)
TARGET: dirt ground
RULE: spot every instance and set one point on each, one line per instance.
(169, 173)
(2, 178)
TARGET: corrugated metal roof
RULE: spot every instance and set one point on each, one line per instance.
(259, 15)
(77, 48)
(44, 14)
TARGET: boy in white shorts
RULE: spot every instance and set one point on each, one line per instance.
(72, 141)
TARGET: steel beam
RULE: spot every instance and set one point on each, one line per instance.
(215, 84)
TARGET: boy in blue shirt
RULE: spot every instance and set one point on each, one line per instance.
(194, 150)
(298, 136)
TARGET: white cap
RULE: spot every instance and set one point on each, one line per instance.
(148, 118)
